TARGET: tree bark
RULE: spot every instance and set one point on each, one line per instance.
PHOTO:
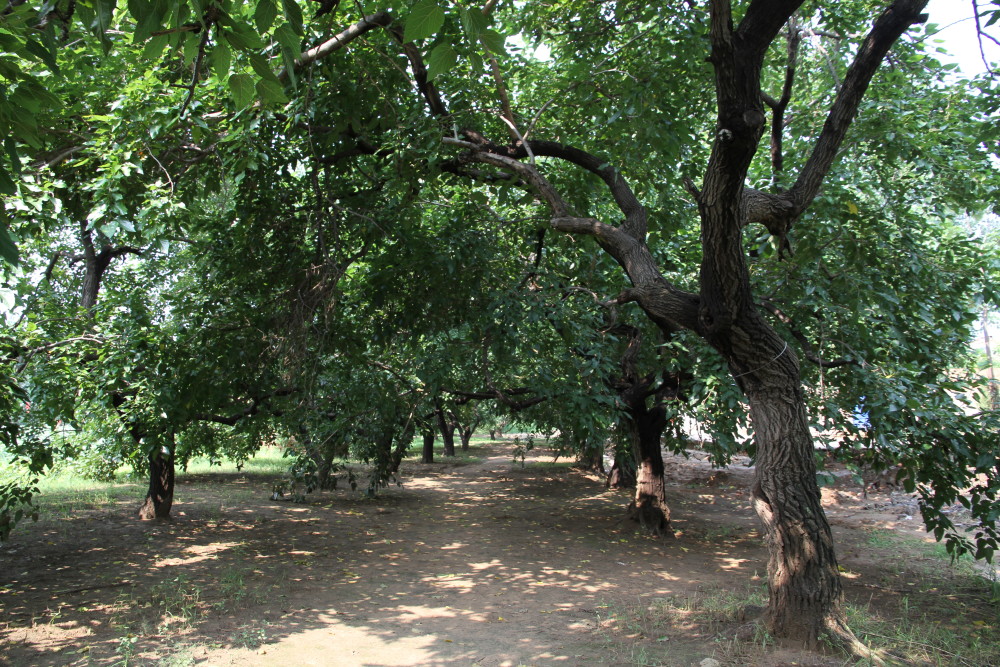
(806, 596)
(160, 496)
(447, 428)
(649, 507)
(428, 451)
(623, 472)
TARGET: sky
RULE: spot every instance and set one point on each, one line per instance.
(958, 34)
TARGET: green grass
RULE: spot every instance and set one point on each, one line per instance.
(955, 634)
(66, 490)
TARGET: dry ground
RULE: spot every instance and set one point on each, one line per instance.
(483, 563)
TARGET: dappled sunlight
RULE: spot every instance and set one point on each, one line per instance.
(732, 563)
(483, 562)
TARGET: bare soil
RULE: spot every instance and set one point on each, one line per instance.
(486, 563)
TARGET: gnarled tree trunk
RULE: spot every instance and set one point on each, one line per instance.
(649, 507)
(160, 495)
(447, 428)
(428, 450)
(806, 595)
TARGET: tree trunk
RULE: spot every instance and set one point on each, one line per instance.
(403, 441)
(623, 472)
(465, 434)
(447, 432)
(428, 452)
(994, 392)
(806, 596)
(650, 507)
(591, 459)
(160, 496)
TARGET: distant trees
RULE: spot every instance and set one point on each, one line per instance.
(227, 221)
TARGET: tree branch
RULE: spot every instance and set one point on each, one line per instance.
(255, 405)
(379, 19)
(427, 89)
(666, 305)
(893, 22)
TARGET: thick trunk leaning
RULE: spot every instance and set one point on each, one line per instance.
(806, 599)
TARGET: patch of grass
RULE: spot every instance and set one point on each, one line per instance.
(953, 635)
(181, 656)
(472, 455)
(250, 637)
(178, 601)
(634, 632)
(234, 590)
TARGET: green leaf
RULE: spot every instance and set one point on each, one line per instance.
(271, 92)
(36, 49)
(222, 59)
(154, 47)
(149, 19)
(474, 22)
(424, 20)
(263, 69)
(494, 41)
(8, 249)
(288, 40)
(12, 154)
(243, 38)
(294, 14)
(241, 85)
(264, 15)
(7, 185)
(442, 59)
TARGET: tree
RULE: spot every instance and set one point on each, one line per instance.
(387, 144)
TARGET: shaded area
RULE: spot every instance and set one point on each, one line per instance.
(486, 563)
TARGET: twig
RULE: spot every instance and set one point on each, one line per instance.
(980, 34)
(195, 71)
(162, 168)
(520, 138)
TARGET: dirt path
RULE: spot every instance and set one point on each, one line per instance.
(485, 564)
(480, 564)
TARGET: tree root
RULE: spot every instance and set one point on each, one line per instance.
(841, 638)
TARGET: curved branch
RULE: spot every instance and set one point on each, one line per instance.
(668, 306)
(893, 22)
(427, 89)
(635, 224)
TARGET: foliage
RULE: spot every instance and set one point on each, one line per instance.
(294, 255)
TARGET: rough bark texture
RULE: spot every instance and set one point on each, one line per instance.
(623, 472)
(447, 428)
(428, 450)
(649, 507)
(805, 590)
(160, 496)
